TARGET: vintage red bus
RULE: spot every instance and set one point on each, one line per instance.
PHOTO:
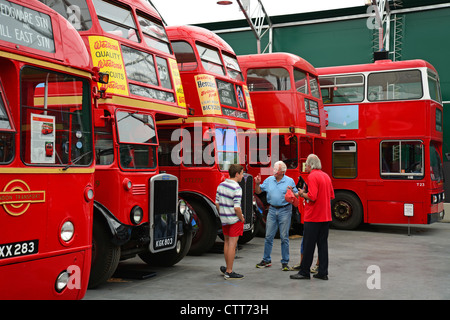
(384, 142)
(136, 209)
(46, 155)
(219, 111)
(289, 114)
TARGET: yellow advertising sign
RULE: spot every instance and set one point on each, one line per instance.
(107, 56)
(249, 104)
(208, 94)
(177, 81)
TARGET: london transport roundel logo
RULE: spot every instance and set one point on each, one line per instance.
(17, 197)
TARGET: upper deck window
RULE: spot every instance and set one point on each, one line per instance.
(154, 34)
(395, 85)
(301, 81)
(342, 88)
(116, 20)
(210, 58)
(140, 66)
(314, 85)
(232, 65)
(75, 11)
(185, 55)
(434, 87)
(271, 79)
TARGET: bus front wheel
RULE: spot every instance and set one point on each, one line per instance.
(105, 255)
(346, 211)
(205, 237)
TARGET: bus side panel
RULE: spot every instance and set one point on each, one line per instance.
(32, 253)
(394, 212)
(37, 277)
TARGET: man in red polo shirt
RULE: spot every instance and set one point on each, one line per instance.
(317, 219)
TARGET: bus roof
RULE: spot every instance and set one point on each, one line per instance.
(380, 65)
(144, 6)
(278, 59)
(69, 46)
(194, 33)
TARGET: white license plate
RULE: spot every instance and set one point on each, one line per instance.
(16, 249)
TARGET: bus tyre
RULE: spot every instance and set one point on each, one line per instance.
(170, 257)
(205, 237)
(105, 255)
(346, 211)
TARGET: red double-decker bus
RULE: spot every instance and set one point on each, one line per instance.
(289, 114)
(199, 149)
(136, 209)
(46, 155)
(384, 142)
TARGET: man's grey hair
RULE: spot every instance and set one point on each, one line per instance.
(281, 166)
(313, 161)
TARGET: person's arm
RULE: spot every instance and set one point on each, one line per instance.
(312, 189)
(239, 214)
(257, 184)
(303, 194)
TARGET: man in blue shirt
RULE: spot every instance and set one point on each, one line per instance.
(280, 212)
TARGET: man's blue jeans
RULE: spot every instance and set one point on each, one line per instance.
(278, 218)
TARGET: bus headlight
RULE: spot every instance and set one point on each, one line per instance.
(127, 184)
(434, 198)
(136, 214)
(185, 210)
(88, 194)
(67, 231)
(182, 207)
(62, 281)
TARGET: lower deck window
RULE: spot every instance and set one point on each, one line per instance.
(402, 159)
(344, 159)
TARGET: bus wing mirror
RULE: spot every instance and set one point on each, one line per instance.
(103, 77)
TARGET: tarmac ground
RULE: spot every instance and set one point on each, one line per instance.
(388, 262)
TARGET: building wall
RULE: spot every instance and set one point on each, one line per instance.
(342, 37)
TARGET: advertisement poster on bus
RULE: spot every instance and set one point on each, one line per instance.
(106, 55)
(208, 94)
(177, 82)
(344, 117)
(42, 138)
